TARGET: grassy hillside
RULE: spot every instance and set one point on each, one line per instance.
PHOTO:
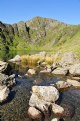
(38, 34)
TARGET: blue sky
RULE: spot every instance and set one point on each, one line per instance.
(12, 11)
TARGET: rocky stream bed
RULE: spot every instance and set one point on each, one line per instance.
(16, 106)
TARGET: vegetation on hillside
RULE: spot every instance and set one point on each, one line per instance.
(38, 34)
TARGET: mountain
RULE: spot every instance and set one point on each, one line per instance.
(38, 34)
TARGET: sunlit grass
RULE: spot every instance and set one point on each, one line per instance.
(34, 59)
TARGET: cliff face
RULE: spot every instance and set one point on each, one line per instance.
(39, 34)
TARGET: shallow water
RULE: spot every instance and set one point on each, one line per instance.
(15, 109)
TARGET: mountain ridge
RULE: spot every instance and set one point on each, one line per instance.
(39, 34)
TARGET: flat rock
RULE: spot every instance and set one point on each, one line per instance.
(74, 83)
(45, 71)
(60, 71)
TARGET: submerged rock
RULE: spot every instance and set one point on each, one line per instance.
(4, 92)
(69, 110)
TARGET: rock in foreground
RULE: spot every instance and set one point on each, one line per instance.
(42, 97)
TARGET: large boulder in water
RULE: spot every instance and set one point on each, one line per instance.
(42, 97)
(47, 93)
(4, 92)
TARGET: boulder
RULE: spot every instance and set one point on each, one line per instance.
(74, 83)
(11, 81)
(57, 110)
(3, 78)
(68, 59)
(60, 71)
(36, 101)
(47, 93)
(31, 72)
(42, 98)
(3, 66)
(62, 85)
(6, 80)
(17, 58)
(34, 113)
(4, 92)
(75, 70)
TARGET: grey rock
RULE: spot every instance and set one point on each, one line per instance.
(6, 80)
(57, 110)
(60, 71)
(34, 113)
(62, 85)
(3, 66)
(47, 93)
(4, 92)
(68, 59)
(74, 83)
(75, 70)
